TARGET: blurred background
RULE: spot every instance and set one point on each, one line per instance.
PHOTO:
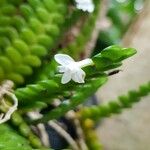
(129, 23)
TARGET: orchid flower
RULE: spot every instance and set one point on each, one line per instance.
(71, 69)
(85, 5)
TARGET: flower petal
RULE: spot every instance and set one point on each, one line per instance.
(66, 77)
(63, 59)
(79, 76)
(61, 69)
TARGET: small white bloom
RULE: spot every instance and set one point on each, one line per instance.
(71, 69)
(85, 5)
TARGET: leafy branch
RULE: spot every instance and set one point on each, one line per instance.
(116, 106)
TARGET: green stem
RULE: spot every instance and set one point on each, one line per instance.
(81, 94)
(115, 107)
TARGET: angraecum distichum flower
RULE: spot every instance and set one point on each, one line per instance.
(71, 69)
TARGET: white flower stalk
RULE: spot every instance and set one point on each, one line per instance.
(85, 5)
(71, 69)
(4, 90)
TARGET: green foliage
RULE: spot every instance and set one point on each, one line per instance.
(46, 90)
(24, 129)
(28, 31)
(10, 140)
(82, 92)
(90, 135)
(116, 106)
(111, 57)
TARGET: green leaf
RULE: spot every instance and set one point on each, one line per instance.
(111, 57)
(5, 63)
(82, 92)
(10, 140)
(117, 54)
(21, 46)
(115, 106)
(101, 62)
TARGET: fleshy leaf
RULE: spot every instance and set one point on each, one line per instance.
(111, 57)
(117, 54)
(10, 140)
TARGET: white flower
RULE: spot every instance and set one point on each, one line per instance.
(85, 5)
(71, 69)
